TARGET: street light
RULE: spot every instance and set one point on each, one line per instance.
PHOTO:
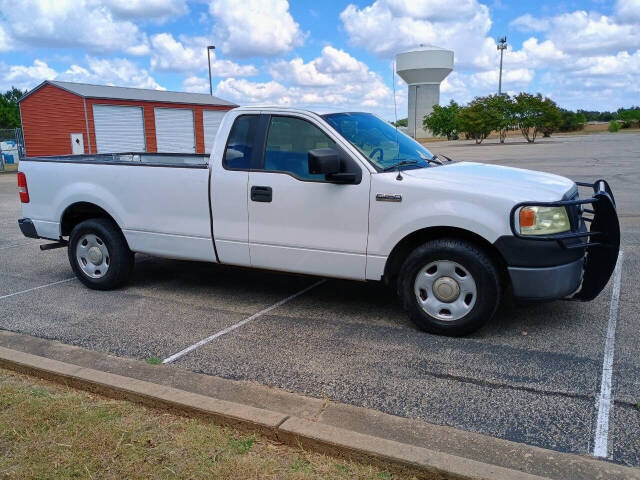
(502, 46)
(209, 48)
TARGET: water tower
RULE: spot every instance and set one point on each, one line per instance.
(423, 69)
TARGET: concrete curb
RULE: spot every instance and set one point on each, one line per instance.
(311, 434)
(292, 430)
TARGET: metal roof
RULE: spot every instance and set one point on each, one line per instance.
(127, 93)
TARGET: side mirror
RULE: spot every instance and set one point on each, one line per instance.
(323, 161)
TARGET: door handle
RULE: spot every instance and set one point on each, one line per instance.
(261, 194)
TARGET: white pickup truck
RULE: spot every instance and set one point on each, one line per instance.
(341, 195)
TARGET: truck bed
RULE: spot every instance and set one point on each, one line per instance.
(161, 201)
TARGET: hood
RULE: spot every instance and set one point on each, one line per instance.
(516, 184)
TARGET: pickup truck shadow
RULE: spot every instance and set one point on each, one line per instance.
(356, 302)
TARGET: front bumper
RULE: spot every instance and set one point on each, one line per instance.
(546, 283)
(601, 242)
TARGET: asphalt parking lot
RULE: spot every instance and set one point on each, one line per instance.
(533, 375)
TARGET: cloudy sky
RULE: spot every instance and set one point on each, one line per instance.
(327, 55)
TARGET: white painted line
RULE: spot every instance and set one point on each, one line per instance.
(204, 341)
(4, 247)
(37, 288)
(601, 441)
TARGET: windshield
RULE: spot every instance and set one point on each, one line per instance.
(379, 140)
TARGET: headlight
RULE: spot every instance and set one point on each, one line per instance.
(543, 220)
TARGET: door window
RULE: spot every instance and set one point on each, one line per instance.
(237, 154)
(288, 143)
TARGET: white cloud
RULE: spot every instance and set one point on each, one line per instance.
(529, 23)
(146, 9)
(5, 42)
(67, 24)
(254, 92)
(119, 71)
(334, 80)
(628, 11)
(583, 32)
(255, 27)
(488, 81)
(584, 57)
(26, 77)
(190, 55)
(387, 27)
(195, 84)
(300, 73)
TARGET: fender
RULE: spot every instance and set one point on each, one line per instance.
(82, 192)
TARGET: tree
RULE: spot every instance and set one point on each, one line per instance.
(403, 122)
(478, 119)
(628, 116)
(536, 114)
(502, 109)
(443, 121)
(595, 116)
(551, 117)
(571, 121)
(9, 110)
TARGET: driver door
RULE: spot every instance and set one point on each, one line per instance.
(299, 222)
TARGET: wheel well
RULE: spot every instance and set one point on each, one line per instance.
(79, 212)
(402, 250)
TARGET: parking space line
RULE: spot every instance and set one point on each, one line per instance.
(14, 245)
(37, 288)
(601, 441)
(204, 341)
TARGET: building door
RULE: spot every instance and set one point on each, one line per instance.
(174, 130)
(77, 144)
(212, 120)
(118, 129)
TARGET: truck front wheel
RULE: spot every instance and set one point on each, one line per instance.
(99, 254)
(449, 287)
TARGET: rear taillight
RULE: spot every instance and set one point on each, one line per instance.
(23, 191)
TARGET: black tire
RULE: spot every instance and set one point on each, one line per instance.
(120, 258)
(476, 261)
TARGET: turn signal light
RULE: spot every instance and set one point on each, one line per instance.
(23, 191)
(527, 217)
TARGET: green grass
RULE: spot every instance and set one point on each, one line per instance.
(154, 361)
(51, 432)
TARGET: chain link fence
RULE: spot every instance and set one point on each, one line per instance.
(11, 148)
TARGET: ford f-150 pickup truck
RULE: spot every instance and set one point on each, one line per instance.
(340, 195)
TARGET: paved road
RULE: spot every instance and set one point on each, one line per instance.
(532, 376)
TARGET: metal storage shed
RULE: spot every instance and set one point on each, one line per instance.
(61, 118)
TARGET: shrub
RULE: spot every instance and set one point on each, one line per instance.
(614, 126)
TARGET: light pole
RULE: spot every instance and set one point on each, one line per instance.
(502, 46)
(213, 47)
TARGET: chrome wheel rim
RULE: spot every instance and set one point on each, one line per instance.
(92, 256)
(445, 290)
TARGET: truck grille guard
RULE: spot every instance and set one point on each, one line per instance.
(601, 239)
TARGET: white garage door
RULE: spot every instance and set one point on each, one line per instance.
(212, 119)
(174, 130)
(118, 129)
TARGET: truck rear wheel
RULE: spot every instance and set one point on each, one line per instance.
(99, 254)
(449, 287)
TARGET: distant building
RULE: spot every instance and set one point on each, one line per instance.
(63, 118)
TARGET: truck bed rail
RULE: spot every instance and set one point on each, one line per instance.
(176, 160)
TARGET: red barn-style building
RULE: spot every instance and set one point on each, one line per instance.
(63, 118)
